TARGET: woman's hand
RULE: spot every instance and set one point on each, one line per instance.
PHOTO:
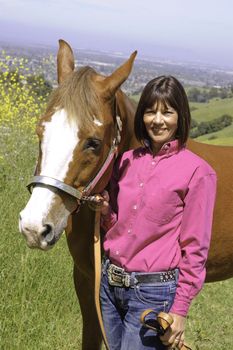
(174, 336)
(105, 203)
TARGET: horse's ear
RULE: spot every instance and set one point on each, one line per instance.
(65, 61)
(114, 81)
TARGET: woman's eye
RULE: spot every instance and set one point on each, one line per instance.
(92, 144)
(149, 113)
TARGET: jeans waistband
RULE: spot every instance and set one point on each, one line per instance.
(118, 277)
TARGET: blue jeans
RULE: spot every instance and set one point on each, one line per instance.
(121, 310)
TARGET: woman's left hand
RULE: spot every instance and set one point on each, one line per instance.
(174, 336)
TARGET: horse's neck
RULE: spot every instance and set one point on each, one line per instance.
(126, 109)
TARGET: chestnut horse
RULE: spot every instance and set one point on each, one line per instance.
(76, 136)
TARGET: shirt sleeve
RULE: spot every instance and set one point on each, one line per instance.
(108, 220)
(194, 238)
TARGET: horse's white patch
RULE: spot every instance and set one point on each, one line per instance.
(59, 141)
(97, 121)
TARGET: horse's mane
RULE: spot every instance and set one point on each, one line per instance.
(77, 96)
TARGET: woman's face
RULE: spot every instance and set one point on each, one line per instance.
(161, 124)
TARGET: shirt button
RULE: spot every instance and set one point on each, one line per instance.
(129, 231)
(134, 207)
(166, 147)
(117, 252)
(153, 163)
(141, 184)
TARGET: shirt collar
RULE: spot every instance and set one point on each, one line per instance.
(168, 148)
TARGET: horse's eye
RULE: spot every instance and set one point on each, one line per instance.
(92, 144)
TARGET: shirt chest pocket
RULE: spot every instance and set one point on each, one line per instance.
(160, 206)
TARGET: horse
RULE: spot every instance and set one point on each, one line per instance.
(220, 256)
(78, 137)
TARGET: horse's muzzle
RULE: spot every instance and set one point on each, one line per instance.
(38, 236)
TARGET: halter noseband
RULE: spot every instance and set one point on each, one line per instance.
(83, 195)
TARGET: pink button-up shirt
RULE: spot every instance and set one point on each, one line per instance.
(160, 216)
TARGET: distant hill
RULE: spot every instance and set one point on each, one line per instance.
(190, 74)
(212, 110)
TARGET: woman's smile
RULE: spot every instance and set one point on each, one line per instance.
(161, 124)
(158, 131)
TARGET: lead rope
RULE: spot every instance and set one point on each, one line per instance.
(97, 250)
(97, 257)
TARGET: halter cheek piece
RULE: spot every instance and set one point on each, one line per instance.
(83, 195)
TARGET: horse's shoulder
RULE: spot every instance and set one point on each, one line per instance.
(196, 161)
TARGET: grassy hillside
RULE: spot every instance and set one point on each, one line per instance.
(211, 110)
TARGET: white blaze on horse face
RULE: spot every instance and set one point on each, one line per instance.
(59, 141)
(60, 138)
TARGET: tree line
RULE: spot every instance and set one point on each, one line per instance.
(196, 95)
(202, 128)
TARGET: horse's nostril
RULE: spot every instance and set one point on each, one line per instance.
(46, 231)
(48, 234)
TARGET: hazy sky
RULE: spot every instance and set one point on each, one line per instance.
(175, 29)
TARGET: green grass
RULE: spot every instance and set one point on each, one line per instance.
(39, 309)
(209, 323)
(213, 109)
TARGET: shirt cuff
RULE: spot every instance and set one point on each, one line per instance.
(180, 307)
(108, 220)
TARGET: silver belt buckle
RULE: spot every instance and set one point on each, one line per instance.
(115, 276)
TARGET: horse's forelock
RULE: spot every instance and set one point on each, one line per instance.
(77, 96)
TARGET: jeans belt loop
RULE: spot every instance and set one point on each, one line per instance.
(105, 264)
(177, 274)
(133, 279)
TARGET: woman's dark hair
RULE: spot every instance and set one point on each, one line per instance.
(168, 91)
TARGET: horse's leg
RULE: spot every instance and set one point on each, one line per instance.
(80, 239)
(91, 335)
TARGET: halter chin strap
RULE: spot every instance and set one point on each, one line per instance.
(83, 195)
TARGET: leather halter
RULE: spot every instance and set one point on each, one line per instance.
(82, 195)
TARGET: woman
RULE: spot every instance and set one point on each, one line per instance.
(157, 218)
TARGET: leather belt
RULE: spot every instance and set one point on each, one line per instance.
(119, 278)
